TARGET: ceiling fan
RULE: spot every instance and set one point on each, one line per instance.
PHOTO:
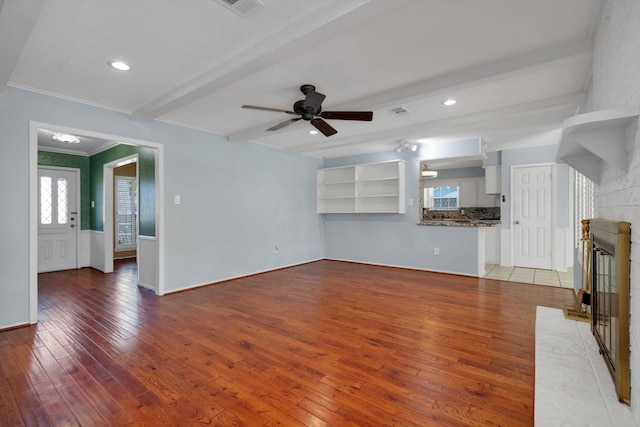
(310, 109)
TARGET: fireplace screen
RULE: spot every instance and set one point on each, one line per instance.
(610, 298)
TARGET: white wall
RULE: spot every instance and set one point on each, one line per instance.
(238, 200)
(394, 239)
(616, 83)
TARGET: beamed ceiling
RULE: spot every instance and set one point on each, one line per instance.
(517, 69)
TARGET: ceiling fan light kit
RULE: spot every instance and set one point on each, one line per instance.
(428, 173)
(310, 110)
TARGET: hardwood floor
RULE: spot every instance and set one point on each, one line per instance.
(326, 343)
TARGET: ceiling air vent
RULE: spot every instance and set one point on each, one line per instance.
(399, 111)
(243, 8)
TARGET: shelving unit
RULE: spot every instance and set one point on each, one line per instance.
(589, 139)
(367, 188)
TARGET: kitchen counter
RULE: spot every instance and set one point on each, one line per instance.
(462, 223)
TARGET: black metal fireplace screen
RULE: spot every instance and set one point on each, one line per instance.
(610, 292)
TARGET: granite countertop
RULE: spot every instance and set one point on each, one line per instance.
(462, 223)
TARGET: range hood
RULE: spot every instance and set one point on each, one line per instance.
(461, 150)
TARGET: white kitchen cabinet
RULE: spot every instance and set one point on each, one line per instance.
(367, 188)
(471, 192)
(468, 193)
(492, 179)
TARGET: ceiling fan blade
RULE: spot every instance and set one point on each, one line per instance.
(313, 100)
(283, 124)
(365, 116)
(253, 107)
(323, 127)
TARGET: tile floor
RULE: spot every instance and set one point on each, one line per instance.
(530, 275)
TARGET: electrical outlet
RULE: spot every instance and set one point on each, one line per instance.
(410, 202)
(436, 251)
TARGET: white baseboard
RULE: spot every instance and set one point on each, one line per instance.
(146, 286)
(185, 288)
(15, 326)
(430, 270)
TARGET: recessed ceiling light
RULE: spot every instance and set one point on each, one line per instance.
(313, 132)
(449, 102)
(120, 66)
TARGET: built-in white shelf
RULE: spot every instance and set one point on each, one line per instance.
(366, 188)
(589, 139)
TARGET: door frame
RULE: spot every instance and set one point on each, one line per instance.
(108, 194)
(78, 193)
(512, 191)
(33, 202)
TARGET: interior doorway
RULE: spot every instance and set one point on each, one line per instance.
(92, 243)
(146, 245)
(532, 216)
(125, 211)
(121, 213)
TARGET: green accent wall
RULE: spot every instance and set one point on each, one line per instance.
(146, 185)
(47, 158)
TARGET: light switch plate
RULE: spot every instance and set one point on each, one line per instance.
(176, 199)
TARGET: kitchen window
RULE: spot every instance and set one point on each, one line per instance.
(442, 198)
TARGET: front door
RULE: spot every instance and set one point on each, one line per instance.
(57, 219)
(532, 217)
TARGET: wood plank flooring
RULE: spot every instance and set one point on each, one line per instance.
(325, 343)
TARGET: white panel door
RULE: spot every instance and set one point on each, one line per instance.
(57, 219)
(532, 217)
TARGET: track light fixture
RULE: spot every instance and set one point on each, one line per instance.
(405, 144)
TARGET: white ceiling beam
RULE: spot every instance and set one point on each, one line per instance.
(433, 128)
(480, 75)
(516, 65)
(331, 20)
(17, 19)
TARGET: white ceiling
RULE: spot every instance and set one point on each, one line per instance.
(516, 68)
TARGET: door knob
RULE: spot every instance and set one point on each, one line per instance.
(516, 222)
